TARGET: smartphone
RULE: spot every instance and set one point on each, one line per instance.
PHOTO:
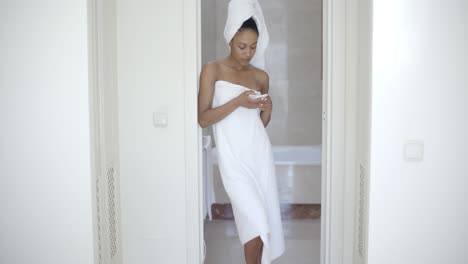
(257, 96)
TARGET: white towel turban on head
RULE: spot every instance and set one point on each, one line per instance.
(238, 12)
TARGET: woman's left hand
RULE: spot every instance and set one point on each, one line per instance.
(266, 105)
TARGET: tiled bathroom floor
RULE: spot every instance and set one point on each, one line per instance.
(302, 242)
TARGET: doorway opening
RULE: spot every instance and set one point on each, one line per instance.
(295, 66)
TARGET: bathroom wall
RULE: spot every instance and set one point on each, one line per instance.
(418, 210)
(208, 40)
(46, 212)
(208, 30)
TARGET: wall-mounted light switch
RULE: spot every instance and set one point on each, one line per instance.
(160, 119)
(414, 150)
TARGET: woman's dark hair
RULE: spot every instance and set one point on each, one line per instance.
(249, 24)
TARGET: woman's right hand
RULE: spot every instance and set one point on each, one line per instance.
(244, 100)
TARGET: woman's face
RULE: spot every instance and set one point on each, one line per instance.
(243, 46)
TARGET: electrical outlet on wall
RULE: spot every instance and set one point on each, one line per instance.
(414, 151)
(161, 118)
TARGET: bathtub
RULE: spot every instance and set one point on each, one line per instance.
(298, 155)
(284, 155)
(290, 155)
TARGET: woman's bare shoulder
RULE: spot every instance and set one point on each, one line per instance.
(208, 76)
(262, 77)
(211, 69)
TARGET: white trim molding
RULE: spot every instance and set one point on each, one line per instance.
(193, 173)
(339, 126)
(104, 144)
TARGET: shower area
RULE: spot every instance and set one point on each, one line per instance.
(294, 63)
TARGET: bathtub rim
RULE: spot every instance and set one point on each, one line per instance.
(313, 160)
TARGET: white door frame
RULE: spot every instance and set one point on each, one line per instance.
(338, 156)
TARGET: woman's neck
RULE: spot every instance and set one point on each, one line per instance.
(233, 63)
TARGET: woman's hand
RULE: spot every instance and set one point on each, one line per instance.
(266, 105)
(245, 101)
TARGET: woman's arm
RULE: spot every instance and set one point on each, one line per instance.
(207, 115)
(266, 106)
(266, 117)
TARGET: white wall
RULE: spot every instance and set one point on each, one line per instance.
(45, 181)
(418, 210)
(150, 78)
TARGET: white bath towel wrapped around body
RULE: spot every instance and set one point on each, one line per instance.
(246, 164)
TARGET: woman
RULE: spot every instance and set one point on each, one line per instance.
(244, 151)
